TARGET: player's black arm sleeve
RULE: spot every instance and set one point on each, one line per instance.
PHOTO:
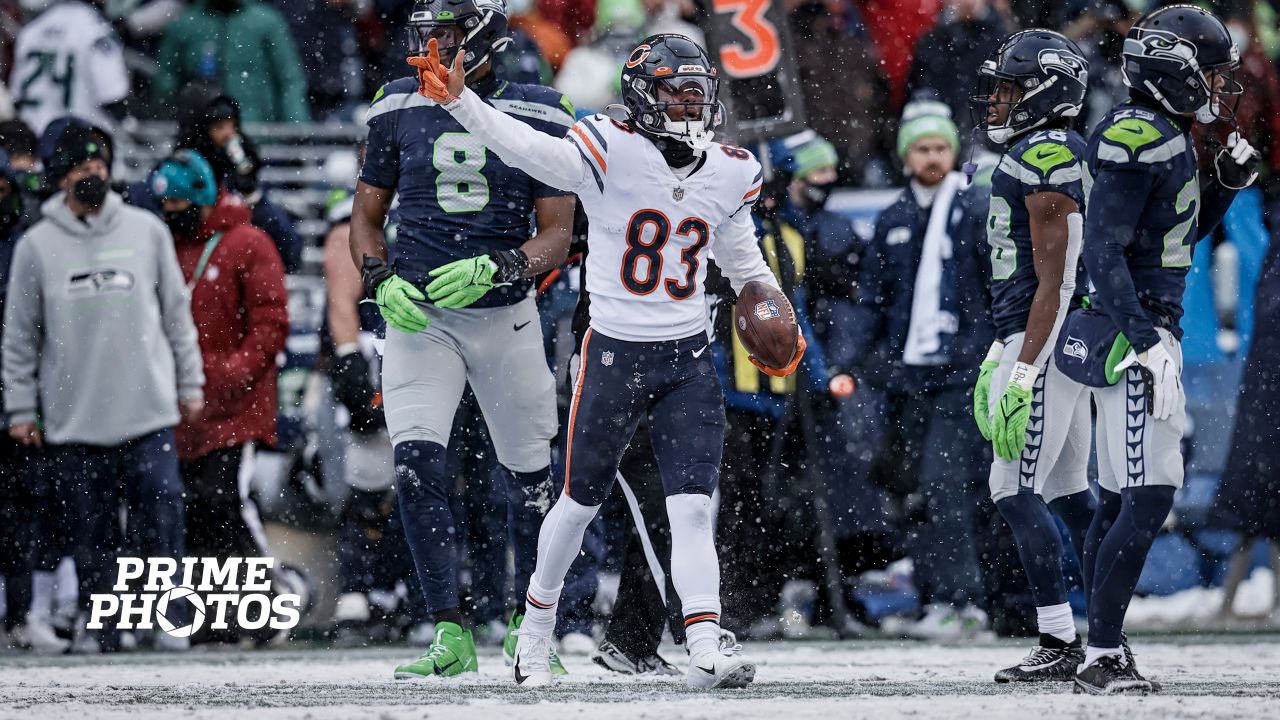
(1215, 199)
(1115, 205)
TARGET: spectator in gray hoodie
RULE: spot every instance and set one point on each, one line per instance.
(100, 362)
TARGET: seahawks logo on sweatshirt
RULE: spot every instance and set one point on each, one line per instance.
(99, 281)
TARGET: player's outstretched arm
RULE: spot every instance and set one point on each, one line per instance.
(551, 160)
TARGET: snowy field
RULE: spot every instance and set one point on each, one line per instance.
(1218, 676)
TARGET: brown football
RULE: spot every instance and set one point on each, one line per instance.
(766, 324)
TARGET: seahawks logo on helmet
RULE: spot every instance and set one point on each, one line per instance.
(1161, 45)
(1053, 59)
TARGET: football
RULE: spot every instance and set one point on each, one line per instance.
(766, 324)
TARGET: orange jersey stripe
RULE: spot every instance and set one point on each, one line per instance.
(573, 410)
(591, 146)
(751, 193)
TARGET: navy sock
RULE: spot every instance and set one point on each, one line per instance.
(1039, 546)
(1121, 556)
(529, 497)
(1076, 512)
(428, 521)
(1103, 518)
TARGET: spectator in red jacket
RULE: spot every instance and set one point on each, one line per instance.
(238, 301)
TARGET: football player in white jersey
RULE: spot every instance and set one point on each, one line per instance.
(660, 197)
(69, 61)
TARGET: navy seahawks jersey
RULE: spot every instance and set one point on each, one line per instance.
(1144, 200)
(457, 199)
(1045, 161)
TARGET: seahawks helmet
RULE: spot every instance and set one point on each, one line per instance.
(1039, 75)
(479, 26)
(671, 65)
(1172, 55)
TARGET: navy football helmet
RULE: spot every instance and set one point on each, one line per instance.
(667, 72)
(479, 26)
(1175, 56)
(1040, 76)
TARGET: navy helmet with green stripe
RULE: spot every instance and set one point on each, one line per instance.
(1033, 79)
(477, 26)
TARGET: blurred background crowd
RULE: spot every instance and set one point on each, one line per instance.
(843, 508)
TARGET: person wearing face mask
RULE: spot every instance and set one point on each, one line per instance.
(238, 301)
(919, 331)
(100, 364)
(244, 46)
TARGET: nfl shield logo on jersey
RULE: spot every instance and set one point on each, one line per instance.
(606, 358)
(677, 194)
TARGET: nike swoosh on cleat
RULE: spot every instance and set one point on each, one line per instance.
(519, 678)
(441, 670)
(518, 328)
(712, 671)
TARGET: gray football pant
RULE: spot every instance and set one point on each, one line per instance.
(1055, 462)
(499, 352)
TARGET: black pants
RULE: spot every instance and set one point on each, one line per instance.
(222, 521)
(219, 514)
(18, 510)
(642, 610)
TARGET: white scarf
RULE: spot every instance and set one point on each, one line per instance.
(928, 320)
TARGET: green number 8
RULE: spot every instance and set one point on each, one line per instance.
(1004, 254)
(460, 186)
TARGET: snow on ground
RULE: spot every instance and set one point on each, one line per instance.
(1216, 676)
(1200, 608)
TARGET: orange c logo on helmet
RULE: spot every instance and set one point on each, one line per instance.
(638, 55)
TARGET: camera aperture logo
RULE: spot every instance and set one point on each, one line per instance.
(213, 590)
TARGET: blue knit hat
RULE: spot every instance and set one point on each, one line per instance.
(185, 175)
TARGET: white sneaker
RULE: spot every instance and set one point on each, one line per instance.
(577, 644)
(724, 667)
(352, 608)
(39, 637)
(531, 667)
(940, 622)
(84, 641)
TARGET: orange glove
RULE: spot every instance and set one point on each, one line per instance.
(801, 345)
(435, 81)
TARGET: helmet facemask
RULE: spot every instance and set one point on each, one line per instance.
(682, 106)
(453, 33)
(1223, 91)
(1010, 103)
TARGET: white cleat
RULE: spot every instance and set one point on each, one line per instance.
(722, 668)
(38, 636)
(531, 667)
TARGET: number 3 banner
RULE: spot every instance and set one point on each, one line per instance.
(750, 41)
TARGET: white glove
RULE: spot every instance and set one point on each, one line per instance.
(1164, 383)
(1237, 163)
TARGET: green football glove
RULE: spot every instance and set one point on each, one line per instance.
(462, 282)
(1009, 426)
(395, 298)
(982, 391)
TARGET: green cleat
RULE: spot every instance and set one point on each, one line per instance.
(452, 653)
(509, 646)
